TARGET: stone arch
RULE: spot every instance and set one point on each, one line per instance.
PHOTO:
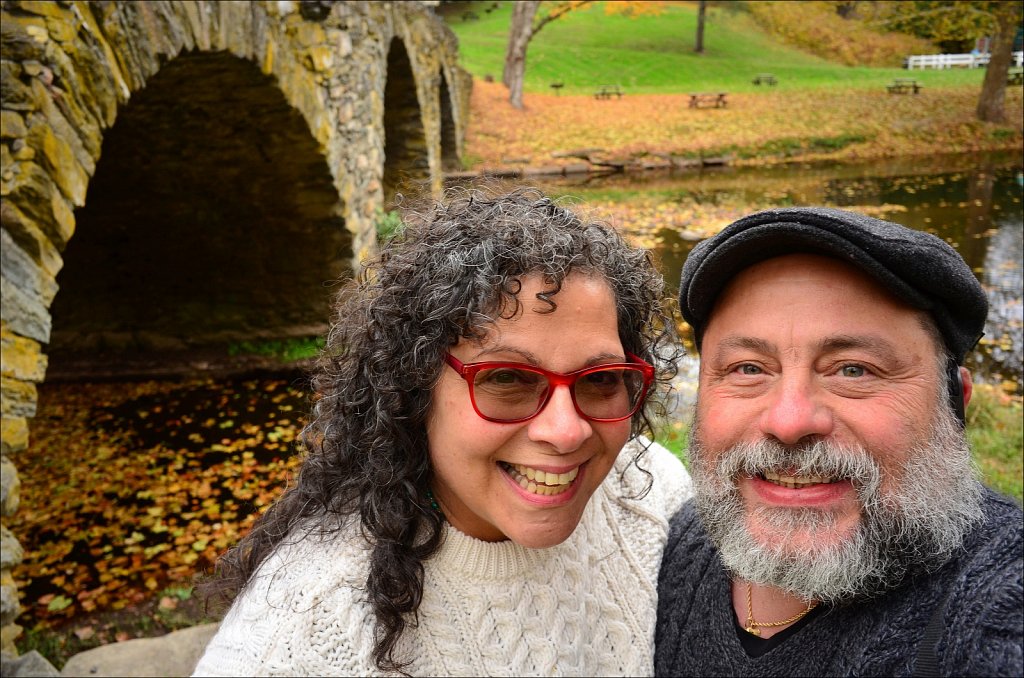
(406, 158)
(212, 217)
(72, 69)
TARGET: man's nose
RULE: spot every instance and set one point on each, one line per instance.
(796, 410)
(559, 424)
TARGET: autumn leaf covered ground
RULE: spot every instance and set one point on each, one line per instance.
(755, 128)
(134, 488)
(820, 109)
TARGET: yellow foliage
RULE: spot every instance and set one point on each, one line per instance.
(814, 26)
(635, 9)
(751, 130)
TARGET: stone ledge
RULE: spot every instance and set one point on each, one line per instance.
(175, 654)
(29, 664)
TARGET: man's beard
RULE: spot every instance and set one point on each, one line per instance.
(913, 525)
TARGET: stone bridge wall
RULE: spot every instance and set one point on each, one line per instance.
(375, 84)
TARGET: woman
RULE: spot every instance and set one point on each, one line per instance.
(457, 512)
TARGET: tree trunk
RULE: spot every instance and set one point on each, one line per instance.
(993, 89)
(515, 56)
(700, 27)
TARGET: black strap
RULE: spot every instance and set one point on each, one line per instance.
(927, 663)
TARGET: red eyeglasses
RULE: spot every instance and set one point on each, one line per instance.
(509, 393)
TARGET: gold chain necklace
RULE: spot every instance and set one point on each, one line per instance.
(754, 627)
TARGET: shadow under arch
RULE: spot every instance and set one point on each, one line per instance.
(406, 159)
(450, 161)
(212, 217)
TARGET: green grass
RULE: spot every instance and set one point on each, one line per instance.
(286, 349)
(995, 429)
(654, 54)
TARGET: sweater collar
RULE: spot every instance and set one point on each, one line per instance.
(477, 559)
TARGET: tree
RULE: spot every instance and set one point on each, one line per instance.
(699, 48)
(993, 89)
(526, 23)
(520, 33)
(955, 24)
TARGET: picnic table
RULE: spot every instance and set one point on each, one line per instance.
(716, 99)
(608, 91)
(765, 79)
(903, 86)
(1015, 77)
(557, 86)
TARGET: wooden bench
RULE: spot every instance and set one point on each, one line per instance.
(608, 91)
(1015, 77)
(698, 99)
(903, 86)
(765, 79)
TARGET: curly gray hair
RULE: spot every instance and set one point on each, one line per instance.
(452, 272)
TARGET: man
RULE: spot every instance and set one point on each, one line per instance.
(838, 526)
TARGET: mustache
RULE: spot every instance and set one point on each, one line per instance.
(821, 458)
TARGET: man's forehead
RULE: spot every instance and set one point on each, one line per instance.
(847, 308)
(799, 267)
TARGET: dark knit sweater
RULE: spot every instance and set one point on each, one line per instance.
(982, 634)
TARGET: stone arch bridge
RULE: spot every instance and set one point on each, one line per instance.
(199, 170)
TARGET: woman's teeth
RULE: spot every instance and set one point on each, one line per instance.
(794, 482)
(540, 482)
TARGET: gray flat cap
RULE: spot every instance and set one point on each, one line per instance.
(916, 267)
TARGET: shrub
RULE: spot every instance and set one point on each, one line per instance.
(815, 27)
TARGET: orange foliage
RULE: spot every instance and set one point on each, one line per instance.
(939, 120)
(109, 516)
(814, 26)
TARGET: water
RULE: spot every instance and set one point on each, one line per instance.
(973, 202)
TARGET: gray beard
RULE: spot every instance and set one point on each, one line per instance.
(915, 525)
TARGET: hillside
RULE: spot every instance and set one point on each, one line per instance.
(819, 110)
(648, 54)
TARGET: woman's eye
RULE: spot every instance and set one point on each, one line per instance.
(503, 377)
(852, 371)
(507, 377)
(749, 370)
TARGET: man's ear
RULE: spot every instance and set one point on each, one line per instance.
(968, 387)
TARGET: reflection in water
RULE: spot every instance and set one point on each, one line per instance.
(973, 202)
(1003, 281)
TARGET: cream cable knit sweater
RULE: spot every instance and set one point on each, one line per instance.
(585, 607)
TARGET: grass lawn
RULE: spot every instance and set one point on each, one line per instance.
(648, 54)
(819, 110)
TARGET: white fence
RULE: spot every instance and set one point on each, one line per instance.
(955, 60)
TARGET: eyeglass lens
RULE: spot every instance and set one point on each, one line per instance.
(516, 393)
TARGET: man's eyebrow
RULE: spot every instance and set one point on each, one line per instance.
(874, 344)
(747, 343)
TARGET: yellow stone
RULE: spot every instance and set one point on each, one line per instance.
(8, 635)
(308, 33)
(320, 58)
(268, 59)
(19, 397)
(13, 434)
(43, 7)
(21, 358)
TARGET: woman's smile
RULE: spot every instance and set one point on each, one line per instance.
(539, 482)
